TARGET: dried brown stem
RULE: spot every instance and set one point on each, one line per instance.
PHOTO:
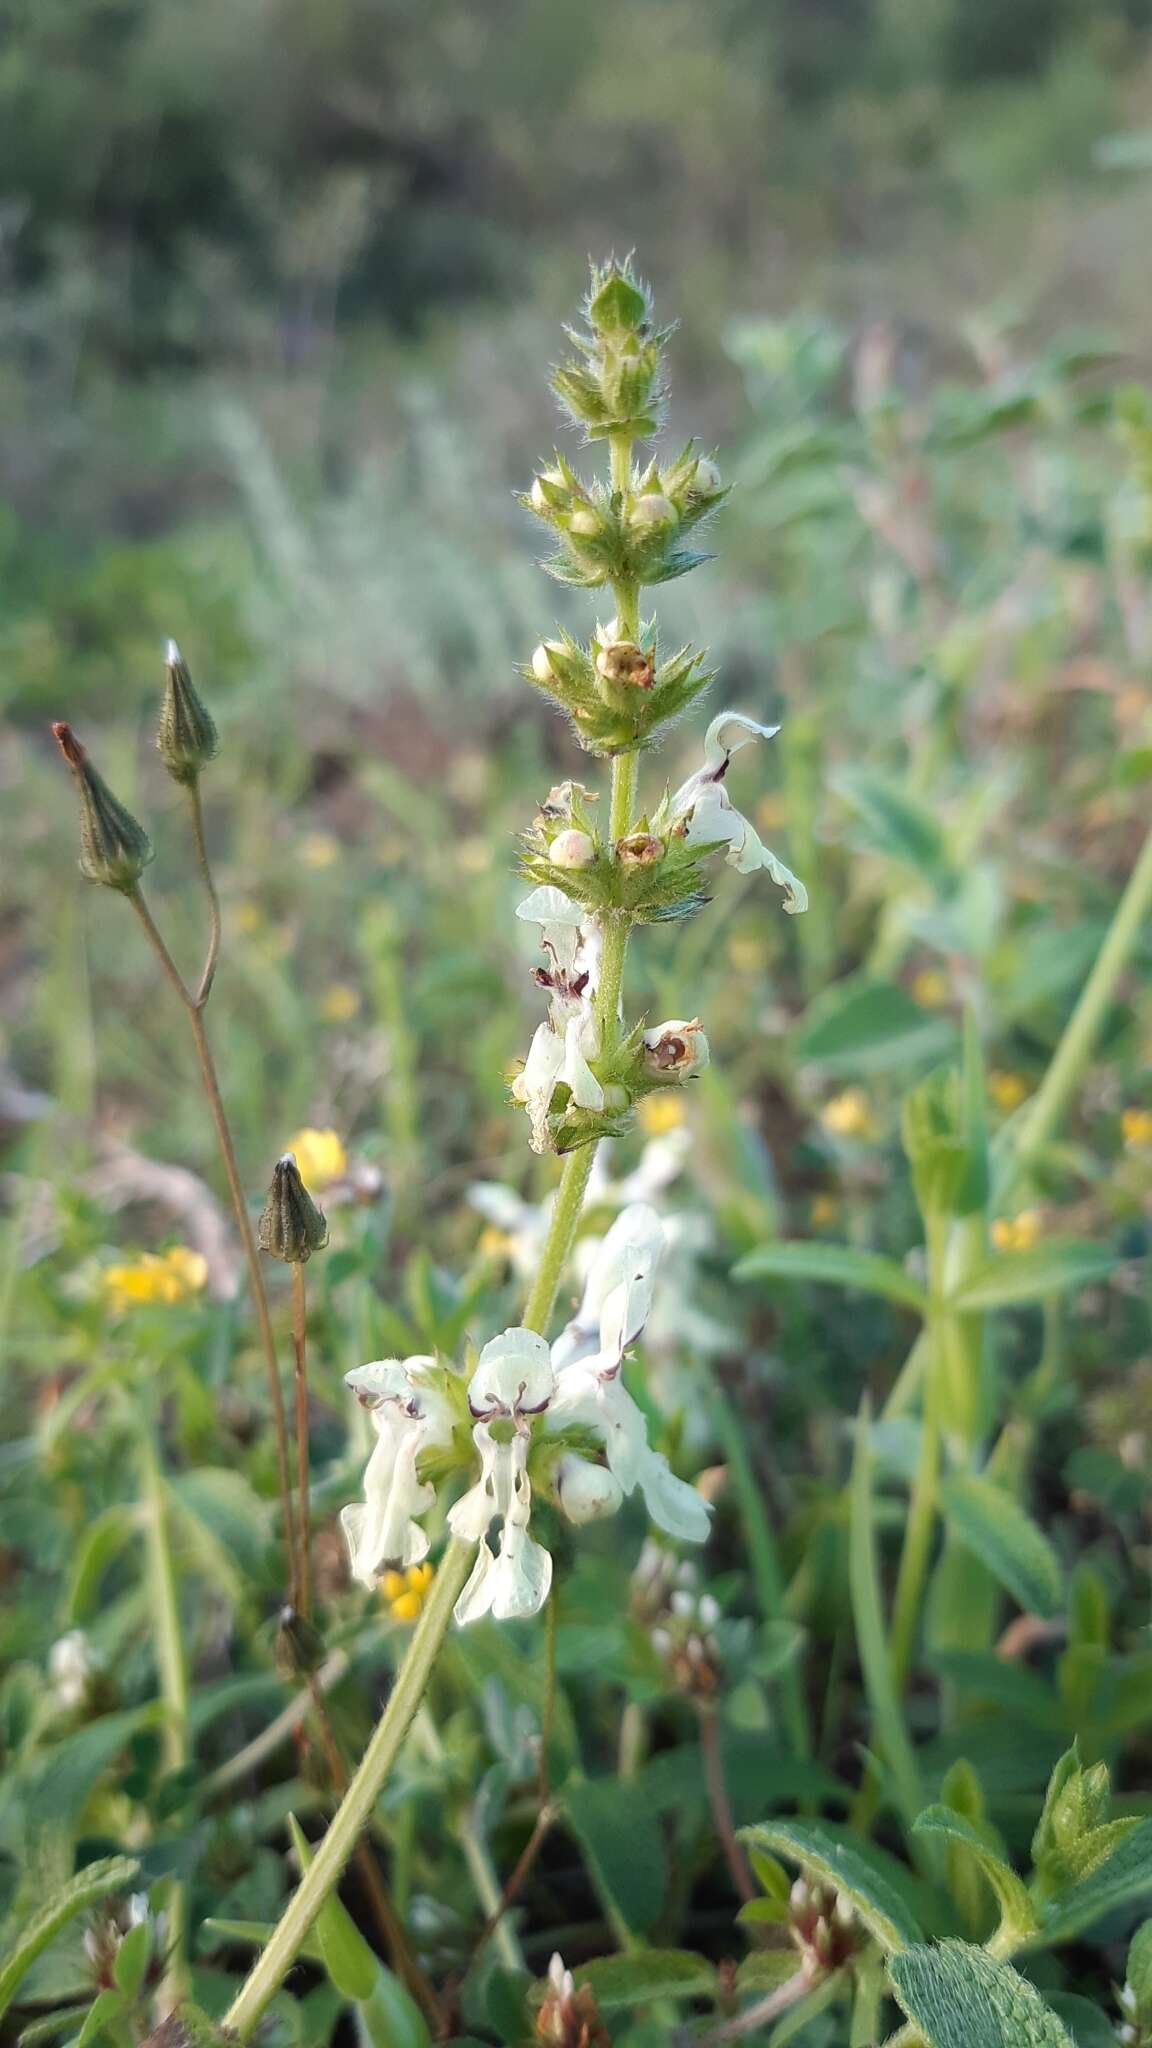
(300, 1382)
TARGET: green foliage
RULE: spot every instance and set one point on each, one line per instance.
(957, 1994)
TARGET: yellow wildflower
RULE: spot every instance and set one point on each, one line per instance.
(1017, 1233)
(167, 1277)
(931, 987)
(849, 1115)
(406, 1592)
(495, 1244)
(824, 1211)
(770, 813)
(319, 850)
(748, 954)
(339, 1003)
(658, 1114)
(248, 917)
(320, 1156)
(1007, 1090)
(1136, 1129)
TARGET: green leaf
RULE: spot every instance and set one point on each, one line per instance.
(621, 1839)
(1017, 1913)
(1120, 1880)
(111, 1874)
(621, 1981)
(851, 1866)
(765, 1969)
(256, 1932)
(838, 1265)
(101, 1542)
(996, 1529)
(348, 1959)
(894, 823)
(103, 2012)
(1049, 1269)
(228, 1524)
(961, 1997)
(862, 1024)
(868, 1616)
(131, 1962)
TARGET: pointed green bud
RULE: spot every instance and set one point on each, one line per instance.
(291, 1226)
(616, 304)
(186, 739)
(114, 849)
(299, 1647)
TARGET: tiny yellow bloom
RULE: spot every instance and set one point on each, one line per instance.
(748, 954)
(770, 813)
(825, 1210)
(849, 1115)
(406, 1592)
(1008, 1091)
(248, 917)
(320, 1156)
(494, 1244)
(660, 1113)
(339, 1003)
(319, 850)
(1017, 1233)
(931, 987)
(1136, 1129)
(165, 1277)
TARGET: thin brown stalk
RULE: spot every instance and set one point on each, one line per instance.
(300, 1382)
(545, 1820)
(717, 1790)
(208, 976)
(787, 1994)
(194, 1010)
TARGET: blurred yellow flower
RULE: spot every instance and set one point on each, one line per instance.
(824, 1211)
(931, 987)
(849, 1115)
(248, 916)
(770, 813)
(1136, 1129)
(1017, 1233)
(473, 856)
(660, 1113)
(495, 1244)
(167, 1277)
(748, 954)
(339, 1003)
(320, 1156)
(319, 850)
(1008, 1091)
(406, 1592)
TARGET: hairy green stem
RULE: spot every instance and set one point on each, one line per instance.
(173, 1675)
(1041, 1118)
(283, 1944)
(921, 1522)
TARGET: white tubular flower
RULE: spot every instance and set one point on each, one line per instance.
(677, 1049)
(703, 808)
(512, 1382)
(561, 1047)
(628, 1256)
(409, 1416)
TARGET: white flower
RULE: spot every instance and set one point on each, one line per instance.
(561, 1046)
(627, 1257)
(705, 811)
(409, 1415)
(586, 1492)
(677, 1049)
(70, 1668)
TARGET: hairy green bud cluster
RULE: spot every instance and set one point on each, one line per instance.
(651, 879)
(186, 739)
(616, 692)
(634, 535)
(114, 847)
(611, 384)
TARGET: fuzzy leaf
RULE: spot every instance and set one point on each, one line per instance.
(961, 1997)
(1124, 1877)
(621, 1839)
(621, 1981)
(852, 1868)
(1050, 1269)
(996, 1529)
(1017, 1913)
(111, 1874)
(839, 1265)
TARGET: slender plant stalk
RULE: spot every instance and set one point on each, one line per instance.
(481, 1869)
(921, 1523)
(283, 1944)
(196, 818)
(194, 1008)
(173, 1673)
(521, 1871)
(300, 1383)
(561, 1233)
(719, 1806)
(777, 2002)
(264, 1745)
(1041, 1118)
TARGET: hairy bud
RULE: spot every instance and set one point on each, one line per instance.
(639, 850)
(186, 739)
(624, 662)
(114, 848)
(568, 2018)
(291, 1226)
(653, 509)
(572, 849)
(676, 1050)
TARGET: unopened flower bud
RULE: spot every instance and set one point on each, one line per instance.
(542, 667)
(616, 1098)
(299, 1647)
(677, 1050)
(568, 2018)
(572, 849)
(608, 633)
(586, 1492)
(291, 1226)
(186, 739)
(624, 662)
(653, 509)
(705, 479)
(585, 522)
(544, 487)
(617, 306)
(114, 849)
(639, 850)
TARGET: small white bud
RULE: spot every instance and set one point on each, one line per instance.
(608, 634)
(661, 1642)
(542, 667)
(709, 1610)
(537, 495)
(705, 478)
(586, 1492)
(584, 521)
(683, 1604)
(653, 509)
(572, 849)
